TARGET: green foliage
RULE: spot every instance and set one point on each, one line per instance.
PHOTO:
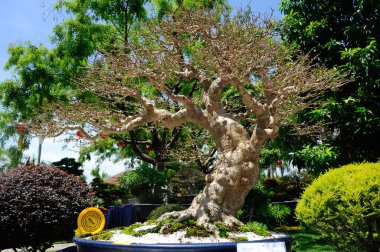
(108, 194)
(317, 158)
(351, 115)
(157, 212)
(171, 226)
(240, 239)
(305, 240)
(198, 231)
(165, 7)
(344, 205)
(174, 228)
(130, 230)
(160, 224)
(104, 235)
(39, 205)
(292, 186)
(223, 229)
(11, 157)
(277, 213)
(70, 166)
(141, 179)
(241, 214)
(44, 75)
(255, 227)
(269, 156)
(10, 153)
(258, 204)
(96, 174)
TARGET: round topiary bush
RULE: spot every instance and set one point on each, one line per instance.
(344, 205)
(39, 205)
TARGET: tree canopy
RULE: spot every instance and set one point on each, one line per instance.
(135, 84)
(345, 35)
(44, 75)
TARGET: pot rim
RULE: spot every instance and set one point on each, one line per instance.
(81, 241)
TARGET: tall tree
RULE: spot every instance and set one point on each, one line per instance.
(44, 75)
(219, 53)
(343, 34)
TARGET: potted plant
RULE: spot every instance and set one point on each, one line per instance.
(247, 82)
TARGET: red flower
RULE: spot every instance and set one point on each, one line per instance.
(121, 144)
(21, 127)
(80, 134)
(148, 148)
(103, 136)
(279, 162)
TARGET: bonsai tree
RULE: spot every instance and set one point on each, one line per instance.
(145, 81)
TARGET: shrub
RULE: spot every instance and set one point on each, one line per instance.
(158, 211)
(144, 182)
(344, 205)
(108, 194)
(258, 206)
(292, 186)
(277, 214)
(255, 227)
(39, 205)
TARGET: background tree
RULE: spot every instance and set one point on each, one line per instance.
(342, 34)
(70, 166)
(3, 160)
(12, 153)
(44, 75)
(107, 194)
(145, 183)
(218, 53)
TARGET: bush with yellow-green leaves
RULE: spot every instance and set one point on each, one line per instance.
(344, 205)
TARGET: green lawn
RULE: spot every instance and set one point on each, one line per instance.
(308, 241)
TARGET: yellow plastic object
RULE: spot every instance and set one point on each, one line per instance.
(122, 243)
(91, 221)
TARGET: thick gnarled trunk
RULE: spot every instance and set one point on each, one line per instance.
(227, 186)
(234, 173)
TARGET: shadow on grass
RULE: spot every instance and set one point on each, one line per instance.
(305, 240)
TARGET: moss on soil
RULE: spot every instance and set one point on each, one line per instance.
(104, 235)
(240, 239)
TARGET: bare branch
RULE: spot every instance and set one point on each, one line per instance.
(141, 83)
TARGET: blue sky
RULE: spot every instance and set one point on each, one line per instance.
(33, 20)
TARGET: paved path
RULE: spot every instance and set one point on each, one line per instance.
(52, 249)
(60, 246)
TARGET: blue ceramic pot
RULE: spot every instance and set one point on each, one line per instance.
(84, 245)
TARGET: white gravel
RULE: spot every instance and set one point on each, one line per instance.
(179, 237)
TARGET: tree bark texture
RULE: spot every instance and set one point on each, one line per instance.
(234, 173)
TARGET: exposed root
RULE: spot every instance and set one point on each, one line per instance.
(202, 219)
(180, 216)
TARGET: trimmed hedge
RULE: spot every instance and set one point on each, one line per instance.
(344, 205)
(39, 205)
